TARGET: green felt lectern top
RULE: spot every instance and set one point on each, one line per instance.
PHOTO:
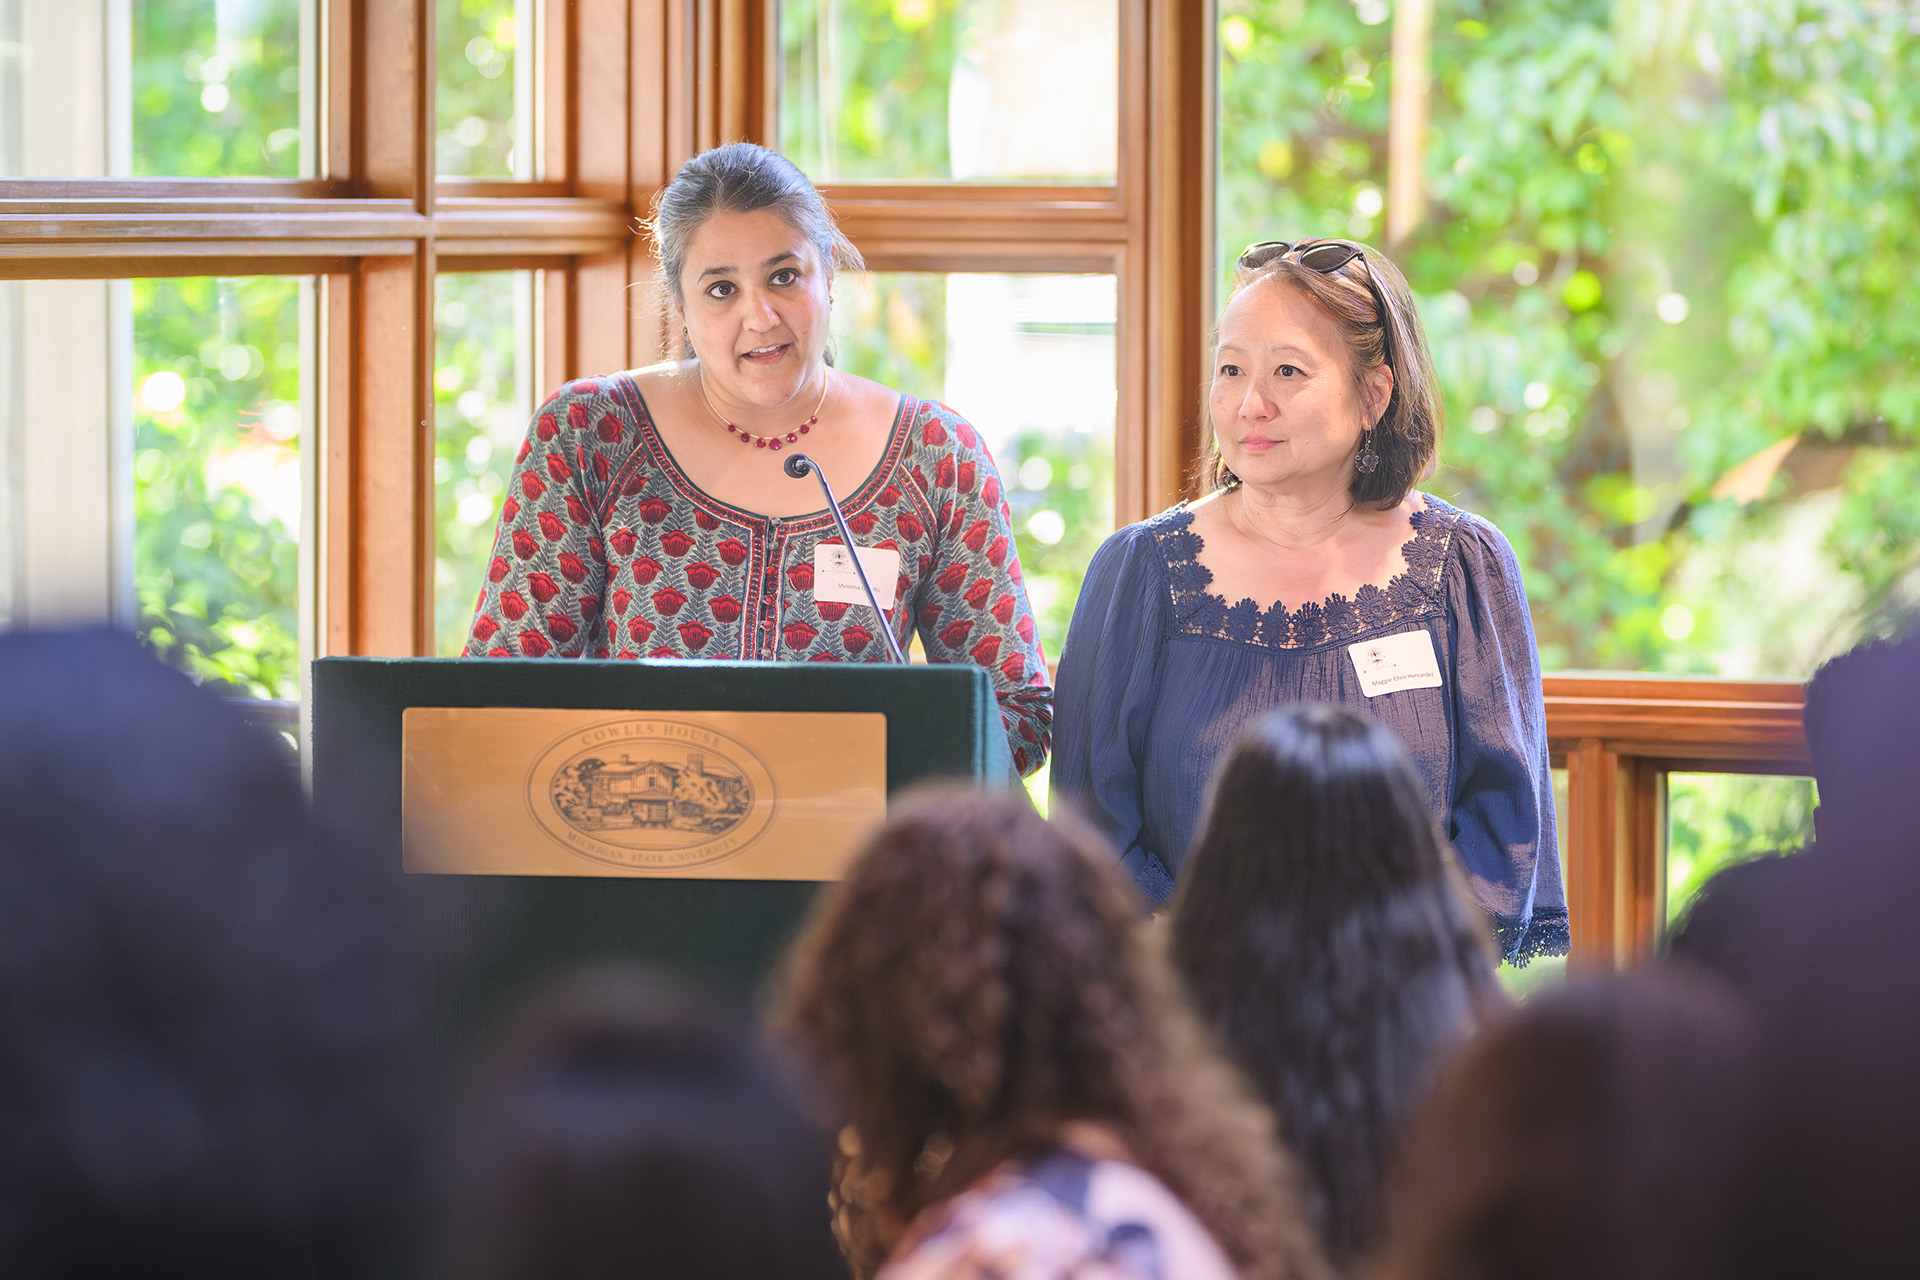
(369, 716)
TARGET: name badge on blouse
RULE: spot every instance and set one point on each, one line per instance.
(834, 578)
(1393, 663)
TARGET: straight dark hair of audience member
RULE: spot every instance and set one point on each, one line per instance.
(1324, 931)
(205, 999)
(980, 988)
(625, 1129)
(1594, 1135)
(1723, 929)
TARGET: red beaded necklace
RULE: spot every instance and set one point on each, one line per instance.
(773, 442)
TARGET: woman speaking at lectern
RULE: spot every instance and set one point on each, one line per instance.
(650, 515)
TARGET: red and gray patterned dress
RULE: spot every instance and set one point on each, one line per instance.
(606, 549)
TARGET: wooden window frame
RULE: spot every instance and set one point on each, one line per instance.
(1145, 230)
(1619, 737)
(632, 88)
(376, 227)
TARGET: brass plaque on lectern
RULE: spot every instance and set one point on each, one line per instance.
(725, 795)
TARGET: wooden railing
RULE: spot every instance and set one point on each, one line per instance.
(1618, 737)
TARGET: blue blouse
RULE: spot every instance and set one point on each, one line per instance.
(1159, 674)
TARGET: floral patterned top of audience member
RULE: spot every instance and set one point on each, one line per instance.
(606, 549)
(1063, 1216)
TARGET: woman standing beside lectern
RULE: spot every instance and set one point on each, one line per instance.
(1316, 572)
(650, 514)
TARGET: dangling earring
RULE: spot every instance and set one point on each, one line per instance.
(1367, 459)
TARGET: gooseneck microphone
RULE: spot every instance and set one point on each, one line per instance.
(798, 465)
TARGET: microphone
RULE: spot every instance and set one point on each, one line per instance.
(798, 465)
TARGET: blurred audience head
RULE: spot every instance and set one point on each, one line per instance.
(982, 976)
(203, 997)
(624, 1129)
(1731, 927)
(1862, 720)
(1322, 929)
(1594, 1134)
(1832, 1165)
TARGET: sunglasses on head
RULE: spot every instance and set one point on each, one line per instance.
(1326, 257)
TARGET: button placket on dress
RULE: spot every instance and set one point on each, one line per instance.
(776, 544)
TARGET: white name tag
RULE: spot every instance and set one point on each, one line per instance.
(834, 578)
(1393, 663)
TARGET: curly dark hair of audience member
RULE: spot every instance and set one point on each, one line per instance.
(206, 999)
(1323, 931)
(984, 975)
(1593, 1135)
(625, 1128)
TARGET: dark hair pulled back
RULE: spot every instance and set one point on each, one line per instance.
(740, 177)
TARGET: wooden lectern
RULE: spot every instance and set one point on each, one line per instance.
(678, 814)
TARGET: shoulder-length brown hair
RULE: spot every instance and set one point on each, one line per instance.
(1407, 437)
(982, 976)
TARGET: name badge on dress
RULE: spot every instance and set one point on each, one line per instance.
(1393, 663)
(834, 578)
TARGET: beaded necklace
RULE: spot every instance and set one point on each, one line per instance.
(773, 442)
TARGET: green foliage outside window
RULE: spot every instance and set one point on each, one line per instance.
(1717, 818)
(1060, 486)
(479, 420)
(1660, 239)
(216, 89)
(217, 488)
(864, 87)
(477, 44)
(217, 398)
(892, 327)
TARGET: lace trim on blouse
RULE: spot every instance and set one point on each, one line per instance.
(1415, 593)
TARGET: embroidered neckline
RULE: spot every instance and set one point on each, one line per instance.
(653, 447)
(1410, 594)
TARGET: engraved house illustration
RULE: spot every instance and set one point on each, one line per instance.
(595, 794)
(644, 790)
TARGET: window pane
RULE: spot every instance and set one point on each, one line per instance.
(175, 88)
(1664, 265)
(1029, 360)
(961, 90)
(1541, 974)
(221, 402)
(482, 387)
(484, 103)
(1717, 819)
(218, 88)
